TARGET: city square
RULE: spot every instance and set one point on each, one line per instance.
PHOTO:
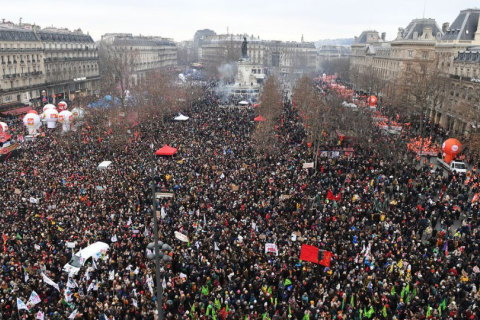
(233, 177)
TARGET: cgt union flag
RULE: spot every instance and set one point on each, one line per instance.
(313, 254)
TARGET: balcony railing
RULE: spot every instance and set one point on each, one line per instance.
(23, 88)
(457, 77)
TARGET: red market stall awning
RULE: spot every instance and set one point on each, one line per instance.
(18, 111)
(259, 119)
(166, 151)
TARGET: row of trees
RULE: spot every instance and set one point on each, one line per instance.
(134, 106)
(419, 86)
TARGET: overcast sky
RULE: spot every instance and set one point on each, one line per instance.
(269, 19)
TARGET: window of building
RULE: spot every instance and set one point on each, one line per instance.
(410, 53)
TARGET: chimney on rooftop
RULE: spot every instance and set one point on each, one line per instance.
(445, 27)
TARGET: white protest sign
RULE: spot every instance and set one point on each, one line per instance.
(181, 236)
(308, 165)
(271, 248)
(70, 244)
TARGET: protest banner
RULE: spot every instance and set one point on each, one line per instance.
(271, 248)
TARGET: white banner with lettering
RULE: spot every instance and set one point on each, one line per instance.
(271, 248)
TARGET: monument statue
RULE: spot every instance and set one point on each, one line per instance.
(244, 48)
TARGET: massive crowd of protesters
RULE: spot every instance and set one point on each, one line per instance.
(404, 239)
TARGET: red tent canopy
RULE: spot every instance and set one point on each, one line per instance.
(166, 151)
(16, 112)
(259, 119)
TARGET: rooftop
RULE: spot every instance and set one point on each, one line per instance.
(16, 34)
(471, 55)
(28, 32)
(142, 41)
(464, 26)
(368, 36)
(416, 28)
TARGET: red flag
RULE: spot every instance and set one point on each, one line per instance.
(327, 256)
(332, 197)
(309, 253)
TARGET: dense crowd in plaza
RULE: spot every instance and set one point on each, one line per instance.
(404, 239)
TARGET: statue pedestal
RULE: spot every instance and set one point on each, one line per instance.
(247, 81)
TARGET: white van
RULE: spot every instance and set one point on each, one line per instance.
(94, 251)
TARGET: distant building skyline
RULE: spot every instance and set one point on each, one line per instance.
(280, 20)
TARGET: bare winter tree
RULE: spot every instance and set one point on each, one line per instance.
(469, 108)
(313, 110)
(422, 85)
(264, 136)
(117, 67)
(271, 100)
(340, 66)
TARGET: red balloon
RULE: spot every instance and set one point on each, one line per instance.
(32, 111)
(448, 158)
(452, 147)
(372, 100)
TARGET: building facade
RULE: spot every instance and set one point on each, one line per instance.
(281, 57)
(146, 53)
(198, 40)
(458, 50)
(70, 62)
(54, 62)
(23, 73)
(291, 58)
(455, 49)
(329, 52)
(227, 48)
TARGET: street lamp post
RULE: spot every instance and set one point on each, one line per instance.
(166, 258)
(156, 245)
(157, 251)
